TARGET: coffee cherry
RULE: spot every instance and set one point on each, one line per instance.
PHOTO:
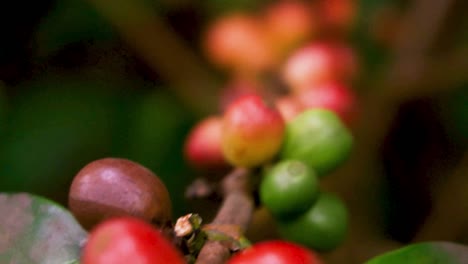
(319, 62)
(289, 188)
(275, 252)
(333, 96)
(288, 24)
(323, 227)
(237, 42)
(318, 138)
(203, 145)
(126, 240)
(112, 187)
(252, 132)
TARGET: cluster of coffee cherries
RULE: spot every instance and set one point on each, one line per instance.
(127, 210)
(287, 108)
(285, 112)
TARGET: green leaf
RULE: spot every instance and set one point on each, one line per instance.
(36, 230)
(425, 253)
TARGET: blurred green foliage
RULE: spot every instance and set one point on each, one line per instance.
(70, 21)
(59, 124)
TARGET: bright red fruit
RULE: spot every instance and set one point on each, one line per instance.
(128, 240)
(203, 144)
(333, 96)
(238, 43)
(252, 132)
(316, 63)
(289, 23)
(275, 252)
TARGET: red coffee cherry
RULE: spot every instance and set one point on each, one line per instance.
(128, 240)
(317, 63)
(112, 187)
(203, 145)
(237, 42)
(288, 24)
(252, 132)
(275, 252)
(333, 96)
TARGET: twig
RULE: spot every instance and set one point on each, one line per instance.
(450, 213)
(237, 209)
(163, 51)
(199, 189)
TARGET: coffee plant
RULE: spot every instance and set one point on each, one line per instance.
(289, 131)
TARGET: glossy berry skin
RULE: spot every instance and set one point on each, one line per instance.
(323, 227)
(236, 42)
(275, 252)
(289, 188)
(319, 62)
(128, 240)
(203, 145)
(288, 24)
(318, 138)
(113, 187)
(333, 96)
(252, 132)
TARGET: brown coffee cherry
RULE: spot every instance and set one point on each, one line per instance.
(113, 187)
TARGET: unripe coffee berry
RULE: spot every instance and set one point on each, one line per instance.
(113, 187)
(323, 227)
(318, 138)
(289, 188)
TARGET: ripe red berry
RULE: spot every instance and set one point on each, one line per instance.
(288, 24)
(316, 63)
(128, 240)
(118, 187)
(275, 252)
(252, 132)
(203, 145)
(333, 96)
(238, 43)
